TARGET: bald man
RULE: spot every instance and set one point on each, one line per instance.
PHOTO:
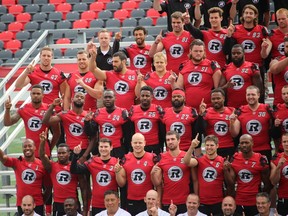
(152, 203)
(228, 207)
(134, 169)
(28, 206)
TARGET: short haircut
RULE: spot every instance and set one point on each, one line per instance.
(251, 87)
(282, 10)
(109, 192)
(121, 55)
(197, 42)
(285, 86)
(74, 200)
(46, 48)
(160, 55)
(285, 134)
(103, 31)
(177, 15)
(109, 90)
(172, 132)
(251, 7)
(139, 28)
(64, 145)
(264, 194)
(238, 46)
(37, 86)
(220, 90)
(147, 88)
(82, 52)
(106, 140)
(211, 137)
(216, 10)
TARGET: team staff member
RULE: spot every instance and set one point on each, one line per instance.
(28, 205)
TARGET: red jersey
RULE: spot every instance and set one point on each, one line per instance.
(218, 124)
(182, 123)
(147, 122)
(177, 49)
(280, 80)
(242, 77)
(198, 81)
(211, 178)
(251, 41)
(162, 91)
(257, 124)
(110, 124)
(248, 177)
(139, 58)
(29, 178)
(138, 175)
(73, 125)
(50, 81)
(103, 179)
(281, 112)
(277, 39)
(214, 42)
(176, 177)
(88, 79)
(64, 182)
(124, 86)
(283, 183)
(32, 119)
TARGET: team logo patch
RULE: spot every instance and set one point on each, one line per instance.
(121, 87)
(144, 125)
(108, 129)
(160, 93)
(103, 178)
(138, 176)
(253, 127)
(194, 78)
(245, 176)
(248, 46)
(176, 50)
(139, 61)
(175, 173)
(209, 174)
(34, 123)
(221, 128)
(238, 82)
(76, 129)
(47, 86)
(28, 176)
(214, 46)
(63, 177)
(179, 127)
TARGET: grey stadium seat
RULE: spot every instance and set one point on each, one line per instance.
(71, 52)
(20, 53)
(23, 35)
(138, 13)
(48, 8)
(39, 17)
(28, 43)
(97, 23)
(145, 5)
(47, 25)
(80, 7)
(147, 21)
(72, 16)
(63, 24)
(55, 16)
(113, 23)
(5, 54)
(113, 6)
(105, 15)
(3, 10)
(31, 26)
(7, 18)
(32, 9)
(36, 34)
(130, 22)
(40, 2)
(2, 27)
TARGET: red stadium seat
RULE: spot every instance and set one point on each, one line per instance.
(121, 14)
(154, 14)
(8, 3)
(88, 15)
(23, 18)
(64, 8)
(104, 1)
(15, 27)
(6, 36)
(16, 9)
(129, 5)
(97, 7)
(13, 45)
(57, 2)
(80, 24)
(63, 41)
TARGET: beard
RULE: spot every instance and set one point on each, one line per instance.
(177, 103)
(238, 62)
(118, 69)
(78, 104)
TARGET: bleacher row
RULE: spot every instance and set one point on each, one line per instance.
(23, 21)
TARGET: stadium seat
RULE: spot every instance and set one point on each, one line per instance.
(13, 45)
(39, 17)
(36, 34)
(129, 22)
(127, 31)
(149, 38)
(80, 7)
(113, 23)
(146, 5)
(147, 21)
(12, 61)
(48, 8)
(3, 10)
(71, 52)
(161, 21)
(57, 35)
(31, 26)
(105, 15)
(32, 9)
(138, 13)
(72, 16)
(155, 30)
(57, 53)
(24, 2)
(64, 8)
(129, 5)
(80, 24)
(88, 15)
(64, 24)
(1, 44)
(90, 33)
(28, 43)
(15, 27)
(121, 14)
(128, 39)
(6, 36)
(35, 52)
(2, 27)
(70, 34)
(97, 7)
(16, 9)
(7, 18)
(22, 35)
(113, 6)
(104, 1)
(56, 2)
(154, 14)
(20, 53)
(73, 1)
(88, 1)
(40, 2)
(8, 3)
(63, 41)
(55, 16)
(23, 18)
(97, 23)
(5, 54)
(47, 25)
